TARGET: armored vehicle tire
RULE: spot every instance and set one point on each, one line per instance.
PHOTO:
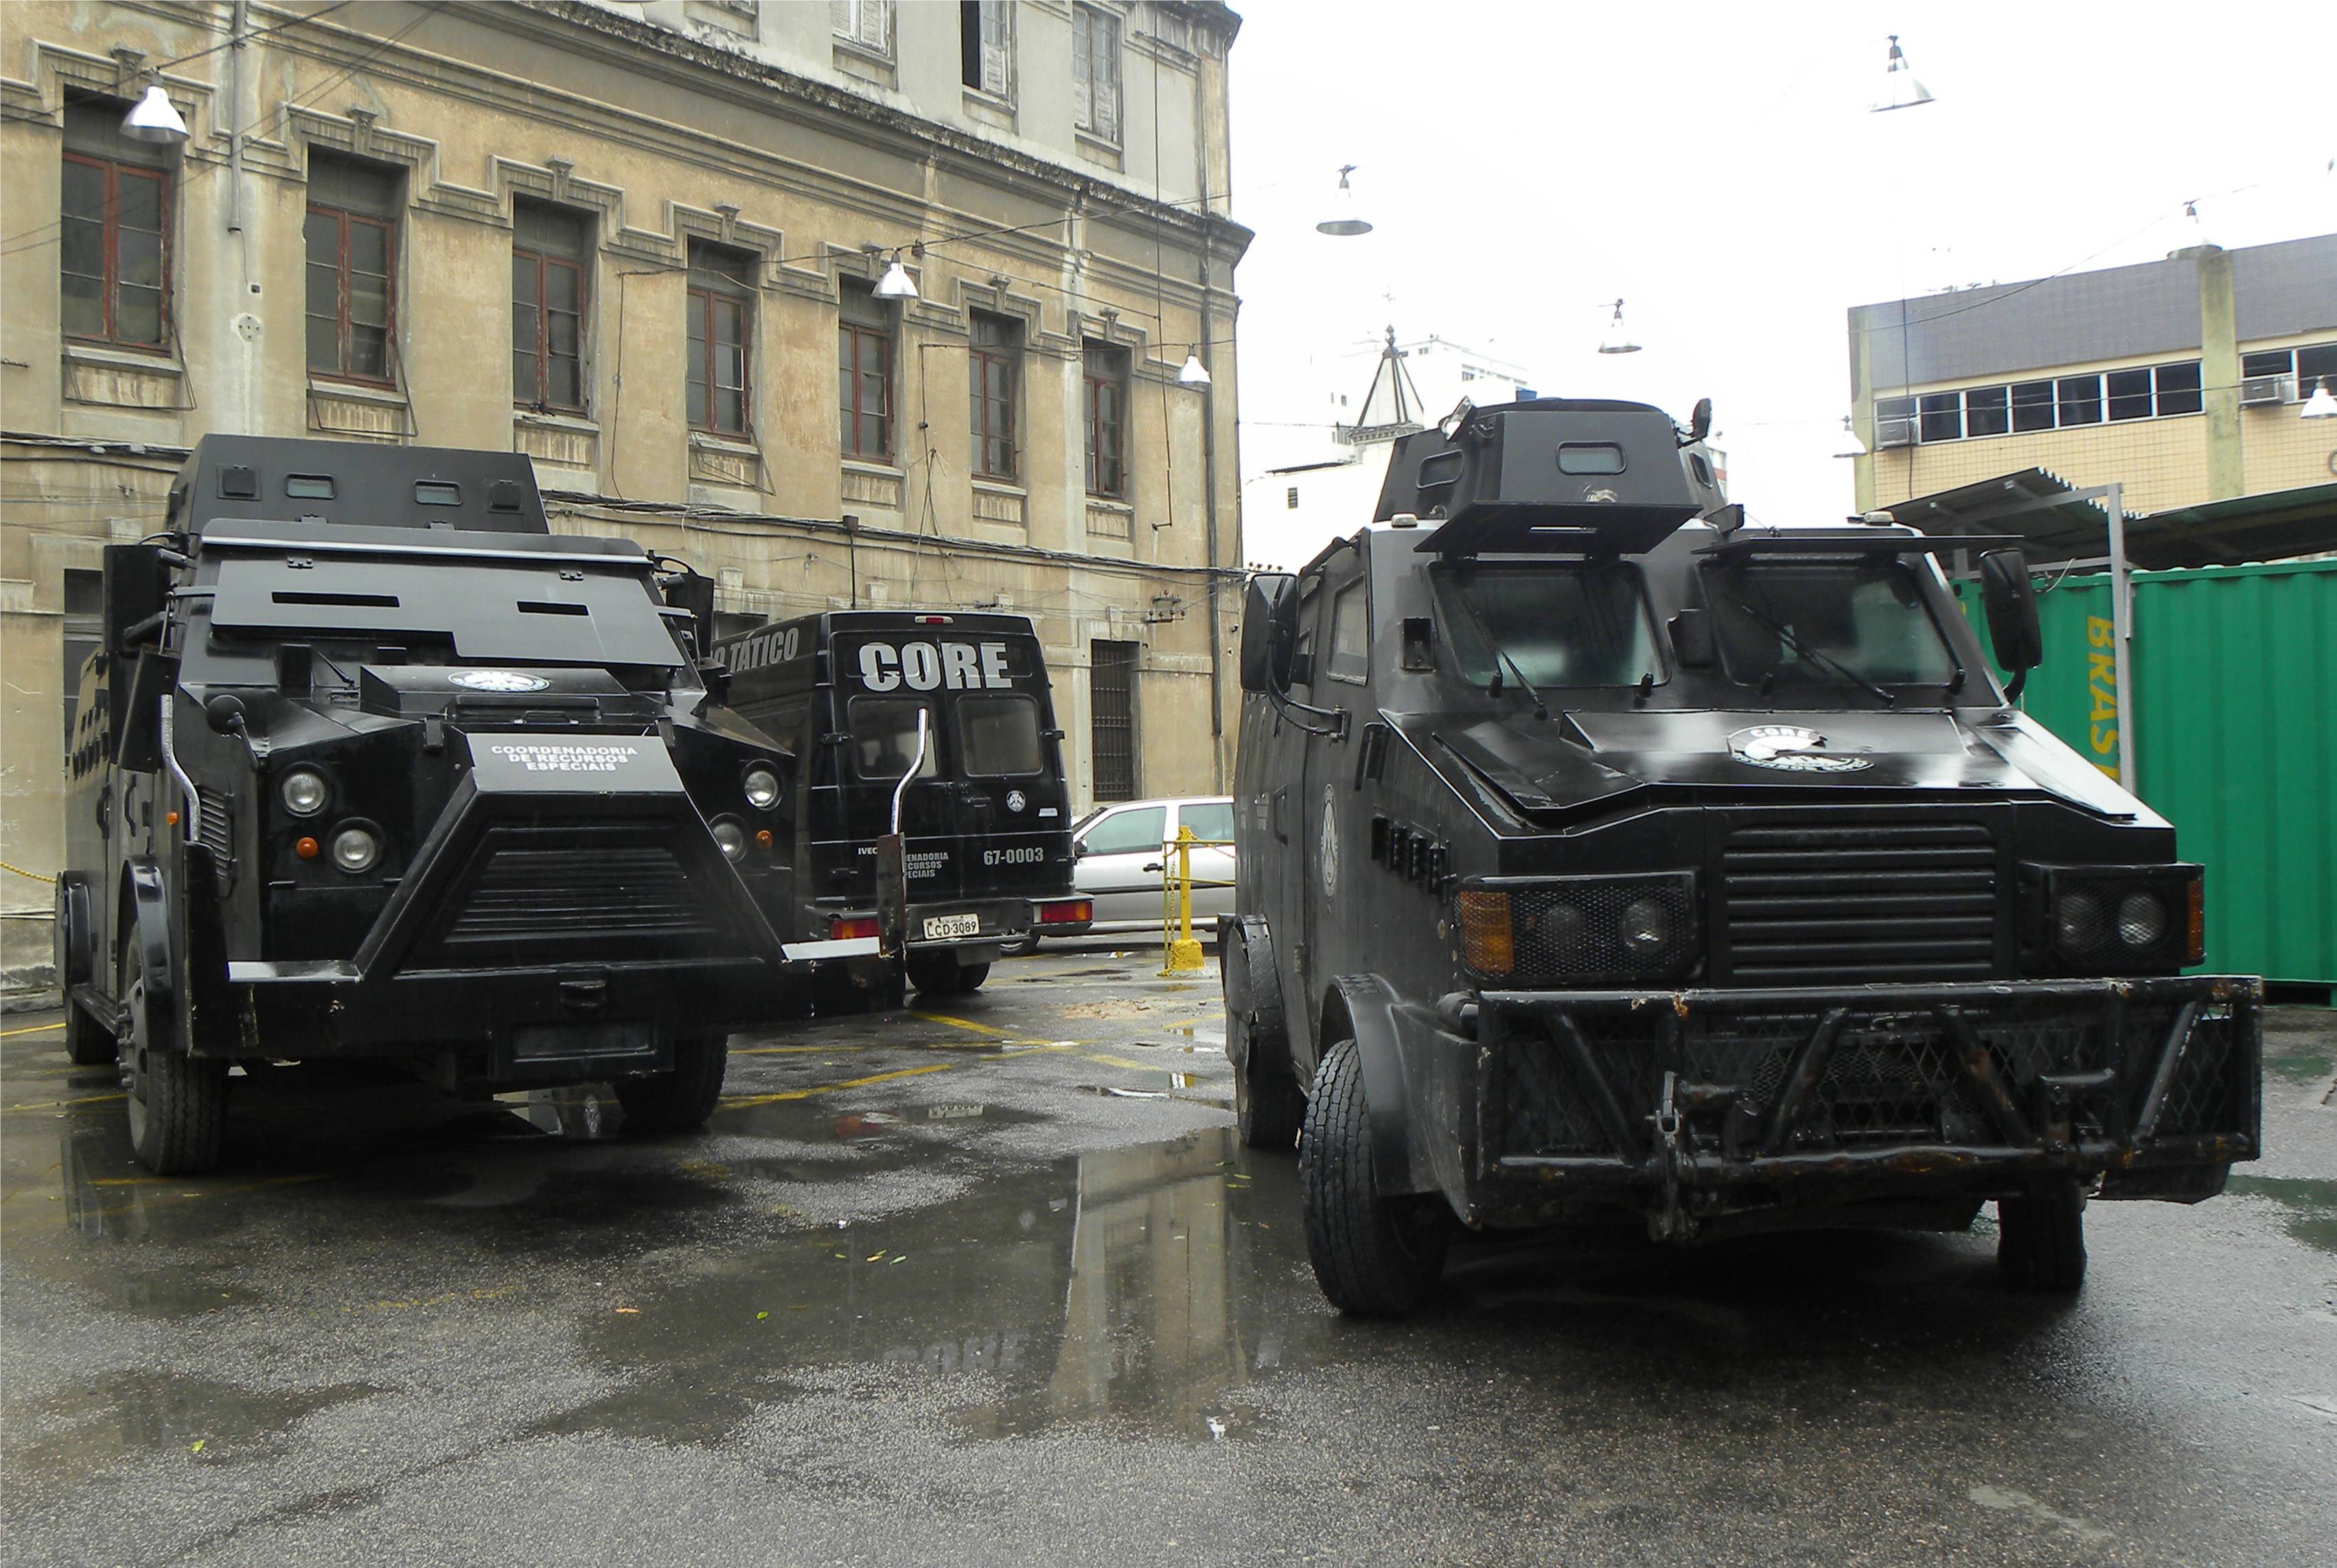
(2040, 1239)
(178, 1104)
(1373, 1257)
(679, 1100)
(87, 1045)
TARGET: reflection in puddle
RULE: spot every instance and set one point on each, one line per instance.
(123, 1415)
(1116, 1284)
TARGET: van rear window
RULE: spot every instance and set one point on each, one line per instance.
(1000, 735)
(885, 737)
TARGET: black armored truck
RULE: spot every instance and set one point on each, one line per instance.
(978, 793)
(373, 767)
(1602, 854)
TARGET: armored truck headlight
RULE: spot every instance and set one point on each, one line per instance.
(732, 837)
(762, 788)
(2141, 920)
(2078, 922)
(1646, 928)
(356, 849)
(304, 791)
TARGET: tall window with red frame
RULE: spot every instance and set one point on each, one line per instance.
(722, 332)
(114, 238)
(864, 373)
(550, 246)
(352, 241)
(1104, 398)
(996, 354)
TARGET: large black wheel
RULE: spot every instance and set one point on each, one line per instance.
(1374, 1256)
(679, 1100)
(1268, 1104)
(177, 1103)
(87, 1045)
(936, 974)
(970, 977)
(2040, 1239)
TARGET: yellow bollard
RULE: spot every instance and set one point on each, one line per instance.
(1184, 950)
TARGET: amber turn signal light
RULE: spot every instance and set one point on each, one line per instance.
(1486, 945)
(840, 929)
(171, 818)
(763, 839)
(2194, 921)
(306, 848)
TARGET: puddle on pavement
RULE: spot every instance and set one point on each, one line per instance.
(1131, 1285)
(122, 1415)
(2312, 1205)
(2299, 1067)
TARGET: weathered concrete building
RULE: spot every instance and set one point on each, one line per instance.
(639, 243)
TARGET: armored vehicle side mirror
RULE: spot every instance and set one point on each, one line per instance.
(2009, 599)
(1699, 422)
(1269, 632)
(688, 591)
(716, 676)
(224, 713)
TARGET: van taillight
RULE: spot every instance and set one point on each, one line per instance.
(936, 620)
(1068, 912)
(843, 928)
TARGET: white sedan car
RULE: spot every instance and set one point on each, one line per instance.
(1118, 851)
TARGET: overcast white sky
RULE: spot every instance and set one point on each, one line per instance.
(1716, 167)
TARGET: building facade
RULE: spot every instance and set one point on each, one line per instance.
(641, 244)
(2180, 379)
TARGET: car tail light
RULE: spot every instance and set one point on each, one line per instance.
(1070, 911)
(2194, 920)
(843, 928)
(1486, 945)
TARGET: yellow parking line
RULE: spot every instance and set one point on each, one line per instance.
(1117, 1062)
(57, 1104)
(960, 1024)
(35, 1029)
(789, 1050)
(806, 1094)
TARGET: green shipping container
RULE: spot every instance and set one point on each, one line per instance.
(2235, 689)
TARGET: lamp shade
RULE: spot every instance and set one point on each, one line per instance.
(1848, 445)
(1900, 88)
(154, 118)
(896, 283)
(1618, 338)
(2321, 405)
(1193, 372)
(1344, 221)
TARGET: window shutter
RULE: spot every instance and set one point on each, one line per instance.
(840, 18)
(995, 46)
(877, 24)
(1083, 97)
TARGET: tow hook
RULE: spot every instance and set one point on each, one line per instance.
(583, 998)
(1671, 1222)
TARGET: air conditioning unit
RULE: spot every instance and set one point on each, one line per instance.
(2256, 390)
(1895, 433)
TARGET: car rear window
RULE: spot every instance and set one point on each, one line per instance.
(1000, 735)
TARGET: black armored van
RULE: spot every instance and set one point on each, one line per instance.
(1599, 853)
(985, 817)
(373, 765)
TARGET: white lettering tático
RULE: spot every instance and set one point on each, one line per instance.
(924, 666)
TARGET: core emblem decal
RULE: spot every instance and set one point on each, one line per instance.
(1793, 749)
(1016, 800)
(497, 680)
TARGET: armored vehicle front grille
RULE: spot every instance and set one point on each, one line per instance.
(610, 900)
(1811, 904)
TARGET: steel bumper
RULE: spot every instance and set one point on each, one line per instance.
(1694, 1105)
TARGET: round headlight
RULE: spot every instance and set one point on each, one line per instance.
(1647, 927)
(732, 837)
(356, 850)
(2077, 921)
(304, 792)
(2141, 920)
(762, 789)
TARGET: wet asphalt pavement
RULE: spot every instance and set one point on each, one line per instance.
(998, 1287)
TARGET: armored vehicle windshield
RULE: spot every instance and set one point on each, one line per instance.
(1782, 622)
(1552, 622)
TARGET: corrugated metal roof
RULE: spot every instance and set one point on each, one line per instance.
(2036, 504)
